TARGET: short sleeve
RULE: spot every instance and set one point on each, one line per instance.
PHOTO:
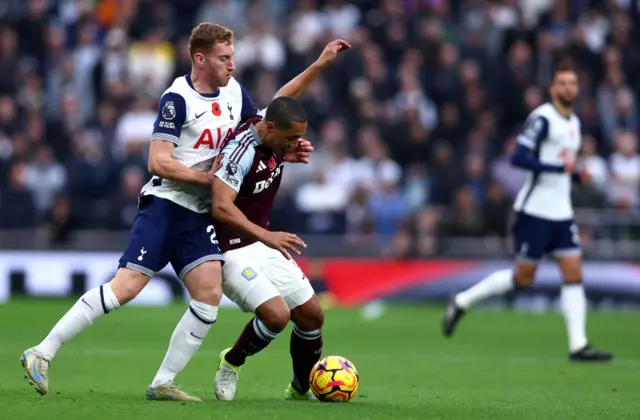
(172, 113)
(536, 129)
(237, 161)
(248, 108)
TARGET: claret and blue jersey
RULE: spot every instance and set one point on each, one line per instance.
(254, 172)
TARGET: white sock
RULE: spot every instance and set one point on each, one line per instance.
(496, 283)
(91, 306)
(186, 340)
(574, 308)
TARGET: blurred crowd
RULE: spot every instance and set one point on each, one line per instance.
(413, 127)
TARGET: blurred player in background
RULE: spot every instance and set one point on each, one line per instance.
(547, 149)
(259, 273)
(173, 224)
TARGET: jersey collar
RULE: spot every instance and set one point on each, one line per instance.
(560, 114)
(255, 135)
(204, 95)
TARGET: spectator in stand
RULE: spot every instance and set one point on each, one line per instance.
(465, 217)
(593, 163)
(624, 166)
(387, 205)
(44, 178)
(124, 203)
(18, 209)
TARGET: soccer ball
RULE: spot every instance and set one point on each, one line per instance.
(334, 379)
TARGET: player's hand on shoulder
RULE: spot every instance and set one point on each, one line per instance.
(301, 153)
(284, 242)
(215, 167)
(332, 50)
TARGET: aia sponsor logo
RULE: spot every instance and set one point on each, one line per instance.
(212, 139)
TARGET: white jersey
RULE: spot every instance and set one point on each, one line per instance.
(197, 124)
(553, 139)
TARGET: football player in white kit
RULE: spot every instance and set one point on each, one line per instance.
(173, 224)
(544, 223)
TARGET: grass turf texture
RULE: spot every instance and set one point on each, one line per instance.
(499, 366)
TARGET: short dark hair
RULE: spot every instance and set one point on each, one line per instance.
(284, 110)
(566, 64)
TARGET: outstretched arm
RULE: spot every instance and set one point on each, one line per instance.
(296, 87)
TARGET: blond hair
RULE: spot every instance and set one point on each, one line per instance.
(206, 35)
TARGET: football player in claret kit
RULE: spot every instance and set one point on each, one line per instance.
(173, 224)
(547, 149)
(259, 273)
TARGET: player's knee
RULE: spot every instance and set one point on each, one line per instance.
(204, 283)
(312, 321)
(571, 268)
(308, 317)
(211, 294)
(127, 284)
(522, 282)
(572, 274)
(523, 275)
(274, 314)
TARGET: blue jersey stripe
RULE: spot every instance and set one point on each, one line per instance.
(242, 147)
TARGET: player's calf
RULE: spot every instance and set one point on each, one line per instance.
(306, 343)
(573, 303)
(127, 284)
(524, 273)
(271, 318)
(204, 283)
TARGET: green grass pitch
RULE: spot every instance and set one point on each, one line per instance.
(499, 366)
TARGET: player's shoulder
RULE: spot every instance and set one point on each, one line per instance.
(239, 148)
(174, 97)
(179, 87)
(539, 120)
(233, 84)
(545, 111)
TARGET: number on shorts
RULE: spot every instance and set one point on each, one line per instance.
(575, 234)
(213, 237)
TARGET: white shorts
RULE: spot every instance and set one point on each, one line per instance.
(256, 273)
